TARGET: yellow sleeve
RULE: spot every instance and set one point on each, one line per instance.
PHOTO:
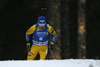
(30, 30)
(51, 30)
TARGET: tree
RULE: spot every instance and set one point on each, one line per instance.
(54, 20)
(81, 30)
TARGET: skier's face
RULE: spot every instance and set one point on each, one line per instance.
(41, 25)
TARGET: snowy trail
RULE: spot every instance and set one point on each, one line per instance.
(52, 63)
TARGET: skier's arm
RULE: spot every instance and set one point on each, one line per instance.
(29, 32)
(53, 33)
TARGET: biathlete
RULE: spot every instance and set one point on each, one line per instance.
(41, 31)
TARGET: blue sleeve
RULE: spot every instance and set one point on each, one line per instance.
(27, 38)
(52, 38)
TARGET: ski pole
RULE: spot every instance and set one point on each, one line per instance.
(52, 54)
(30, 52)
(51, 47)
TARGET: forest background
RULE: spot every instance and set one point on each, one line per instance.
(16, 16)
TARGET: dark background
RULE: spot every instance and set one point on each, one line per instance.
(16, 16)
(92, 25)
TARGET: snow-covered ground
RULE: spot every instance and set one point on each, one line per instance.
(52, 63)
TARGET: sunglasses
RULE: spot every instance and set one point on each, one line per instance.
(41, 24)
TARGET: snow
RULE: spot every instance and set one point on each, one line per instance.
(51, 63)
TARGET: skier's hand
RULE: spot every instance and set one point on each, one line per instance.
(51, 45)
(28, 47)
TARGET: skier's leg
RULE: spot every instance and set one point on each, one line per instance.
(43, 52)
(33, 52)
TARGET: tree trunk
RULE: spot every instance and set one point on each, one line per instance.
(81, 30)
(54, 20)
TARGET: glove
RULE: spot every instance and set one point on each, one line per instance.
(28, 47)
(51, 45)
